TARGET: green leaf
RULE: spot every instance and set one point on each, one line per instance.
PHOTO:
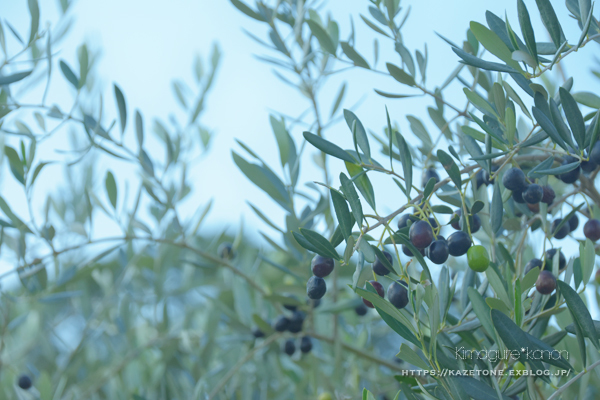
(513, 337)
(482, 310)
(83, 57)
(494, 44)
(593, 131)
(480, 103)
(442, 209)
(559, 123)
(361, 134)
(390, 134)
(397, 326)
(450, 167)
(261, 324)
(247, 10)
(400, 75)
(121, 106)
(417, 127)
(587, 99)
(37, 171)
(91, 124)
(580, 339)
(527, 30)
(406, 57)
(111, 188)
(588, 259)
(278, 42)
(547, 351)
(68, 73)
(321, 244)
(574, 116)
(511, 124)
(394, 96)
(16, 165)
(34, 11)
(481, 137)
(499, 99)
(342, 213)
(515, 97)
(497, 208)
(352, 197)
(530, 279)
(360, 264)
(302, 241)
(410, 356)
(586, 25)
(362, 182)
(476, 62)
(265, 179)
(322, 36)
(146, 162)
(547, 163)
(282, 137)
(338, 99)
(349, 250)
(571, 328)
(517, 302)
(477, 389)
(473, 149)
(580, 313)
(384, 305)
(353, 55)
(373, 26)
(548, 127)
(16, 221)
(559, 170)
(551, 22)
(555, 338)
(328, 147)
(407, 164)
(498, 284)
(428, 189)
(139, 128)
(8, 79)
(585, 7)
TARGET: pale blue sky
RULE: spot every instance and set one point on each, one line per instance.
(145, 44)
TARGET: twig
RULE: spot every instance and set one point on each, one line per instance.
(447, 180)
(240, 364)
(359, 352)
(564, 387)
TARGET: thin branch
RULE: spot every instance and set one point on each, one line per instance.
(240, 364)
(359, 352)
(564, 387)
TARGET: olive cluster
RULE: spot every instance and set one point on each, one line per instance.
(530, 193)
(397, 293)
(321, 267)
(292, 322)
(437, 248)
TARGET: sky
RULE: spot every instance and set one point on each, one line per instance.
(146, 44)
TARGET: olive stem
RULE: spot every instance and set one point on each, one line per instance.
(564, 387)
(358, 352)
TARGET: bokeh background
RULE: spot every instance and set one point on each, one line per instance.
(144, 46)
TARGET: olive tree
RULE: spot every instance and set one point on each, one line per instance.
(507, 177)
(466, 279)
